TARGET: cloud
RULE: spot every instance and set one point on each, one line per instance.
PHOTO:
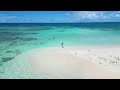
(85, 15)
(95, 15)
(5, 18)
(116, 14)
(89, 15)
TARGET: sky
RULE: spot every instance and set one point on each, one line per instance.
(58, 16)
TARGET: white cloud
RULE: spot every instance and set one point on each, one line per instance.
(89, 15)
(85, 15)
(6, 17)
(118, 11)
(116, 14)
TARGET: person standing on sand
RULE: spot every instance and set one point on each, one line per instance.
(62, 45)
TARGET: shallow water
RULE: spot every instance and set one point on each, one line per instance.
(24, 37)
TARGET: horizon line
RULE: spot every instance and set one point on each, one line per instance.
(58, 22)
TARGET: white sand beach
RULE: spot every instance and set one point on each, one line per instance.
(77, 62)
(93, 62)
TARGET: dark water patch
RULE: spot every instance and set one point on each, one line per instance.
(105, 28)
(19, 28)
(9, 52)
(1, 64)
(41, 43)
(100, 29)
(6, 39)
(11, 33)
(12, 43)
(53, 38)
(1, 69)
(7, 59)
(14, 40)
(6, 29)
(61, 30)
(16, 37)
(117, 28)
(64, 27)
(10, 36)
(37, 29)
(31, 33)
(15, 51)
(27, 39)
(18, 52)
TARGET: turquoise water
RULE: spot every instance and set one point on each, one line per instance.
(18, 38)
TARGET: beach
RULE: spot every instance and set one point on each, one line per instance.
(33, 51)
(85, 62)
(78, 62)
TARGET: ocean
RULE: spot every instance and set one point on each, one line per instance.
(16, 38)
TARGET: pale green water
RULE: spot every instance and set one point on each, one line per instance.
(18, 38)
